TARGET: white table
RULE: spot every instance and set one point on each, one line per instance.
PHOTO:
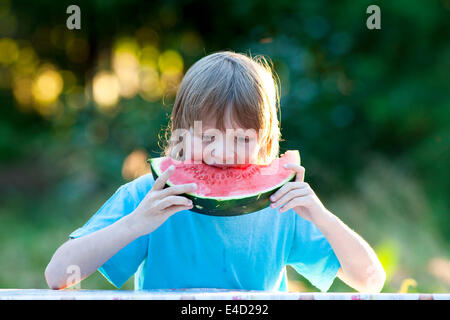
(204, 294)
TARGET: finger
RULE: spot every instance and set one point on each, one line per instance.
(295, 193)
(162, 179)
(174, 209)
(300, 171)
(297, 202)
(286, 188)
(175, 190)
(173, 200)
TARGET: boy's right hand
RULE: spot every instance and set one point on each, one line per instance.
(159, 204)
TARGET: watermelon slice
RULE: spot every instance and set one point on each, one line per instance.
(229, 191)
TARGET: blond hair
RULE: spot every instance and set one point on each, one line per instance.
(230, 84)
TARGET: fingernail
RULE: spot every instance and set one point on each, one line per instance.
(272, 198)
(194, 185)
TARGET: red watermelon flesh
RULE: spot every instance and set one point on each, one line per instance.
(229, 183)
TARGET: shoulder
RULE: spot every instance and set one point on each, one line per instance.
(139, 187)
(306, 231)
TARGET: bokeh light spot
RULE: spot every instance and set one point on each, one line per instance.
(135, 165)
(9, 51)
(150, 85)
(440, 269)
(126, 67)
(106, 89)
(47, 86)
(126, 44)
(27, 62)
(170, 62)
(149, 56)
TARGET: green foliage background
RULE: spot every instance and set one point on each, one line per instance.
(368, 109)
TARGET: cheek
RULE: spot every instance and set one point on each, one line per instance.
(253, 152)
(196, 149)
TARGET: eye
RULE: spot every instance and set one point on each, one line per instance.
(242, 139)
(207, 138)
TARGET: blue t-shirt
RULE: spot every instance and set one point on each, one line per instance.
(191, 250)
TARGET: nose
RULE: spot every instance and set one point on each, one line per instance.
(223, 155)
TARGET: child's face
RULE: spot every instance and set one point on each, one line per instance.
(233, 146)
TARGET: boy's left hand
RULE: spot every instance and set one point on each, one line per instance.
(299, 196)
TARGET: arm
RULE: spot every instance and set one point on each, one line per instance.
(90, 252)
(360, 267)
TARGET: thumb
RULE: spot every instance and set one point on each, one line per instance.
(299, 170)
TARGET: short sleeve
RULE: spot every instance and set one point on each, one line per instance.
(120, 267)
(311, 255)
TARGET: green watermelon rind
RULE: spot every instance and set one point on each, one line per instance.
(225, 206)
